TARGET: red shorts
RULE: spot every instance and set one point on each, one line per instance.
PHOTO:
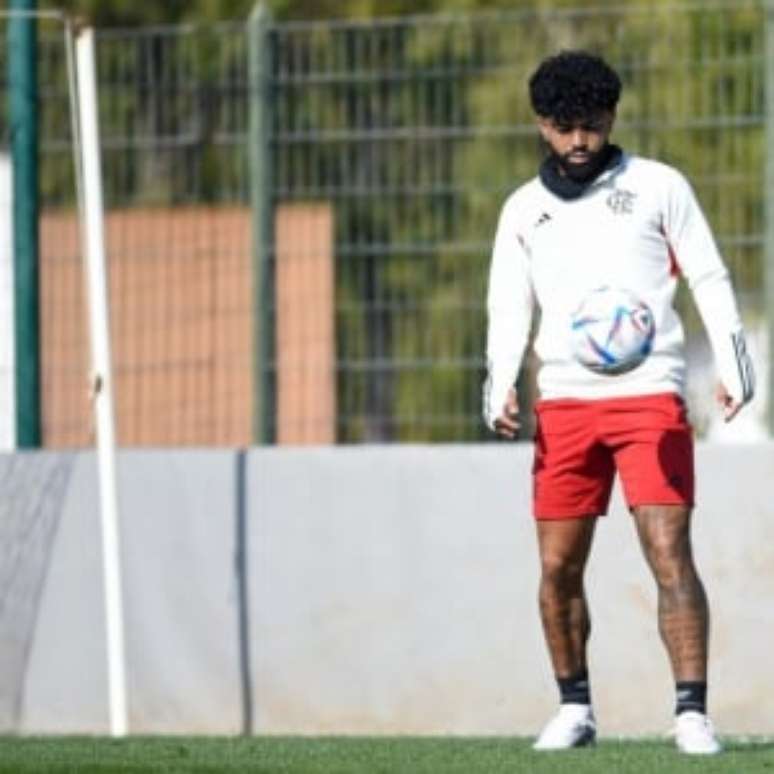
(580, 444)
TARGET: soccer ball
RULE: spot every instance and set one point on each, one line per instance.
(612, 331)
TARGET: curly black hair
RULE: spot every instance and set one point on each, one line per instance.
(572, 86)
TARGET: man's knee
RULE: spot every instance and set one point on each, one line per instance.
(560, 570)
(665, 537)
(671, 562)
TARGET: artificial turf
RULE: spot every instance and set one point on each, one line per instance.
(365, 755)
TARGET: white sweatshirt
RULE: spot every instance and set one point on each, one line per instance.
(638, 226)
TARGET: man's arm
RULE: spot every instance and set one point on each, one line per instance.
(694, 248)
(509, 306)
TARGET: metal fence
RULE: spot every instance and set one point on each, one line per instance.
(408, 133)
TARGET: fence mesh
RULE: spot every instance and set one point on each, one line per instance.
(389, 148)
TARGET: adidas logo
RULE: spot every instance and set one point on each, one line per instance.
(544, 218)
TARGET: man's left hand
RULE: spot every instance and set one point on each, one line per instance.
(728, 405)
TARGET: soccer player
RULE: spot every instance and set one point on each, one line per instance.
(596, 215)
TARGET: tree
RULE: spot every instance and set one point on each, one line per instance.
(129, 13)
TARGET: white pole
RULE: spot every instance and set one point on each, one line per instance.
(99, 325)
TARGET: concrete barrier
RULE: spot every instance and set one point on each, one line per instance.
(387, 590)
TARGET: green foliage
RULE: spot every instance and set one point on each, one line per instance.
(416, 132)
(129, 13)
(692, 98)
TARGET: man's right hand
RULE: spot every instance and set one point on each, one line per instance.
(507, 424)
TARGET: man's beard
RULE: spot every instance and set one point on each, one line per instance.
(586, 171)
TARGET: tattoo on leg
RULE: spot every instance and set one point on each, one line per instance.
(683, 613)
(683, 618)
(566, 624)
(564, 549)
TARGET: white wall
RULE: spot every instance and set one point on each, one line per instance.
(391, 590)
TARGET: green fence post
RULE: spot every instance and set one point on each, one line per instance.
(23, 110)
(261, 204)
(768, 198)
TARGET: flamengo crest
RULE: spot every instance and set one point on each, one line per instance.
(621, 202)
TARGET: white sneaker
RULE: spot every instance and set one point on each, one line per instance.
(572, 726)
(695, 735)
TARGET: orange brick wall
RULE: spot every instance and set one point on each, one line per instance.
(305, 338)
(181, 318)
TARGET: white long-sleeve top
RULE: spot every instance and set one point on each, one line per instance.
(638, 226)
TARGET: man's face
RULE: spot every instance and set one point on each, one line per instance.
(578, 144)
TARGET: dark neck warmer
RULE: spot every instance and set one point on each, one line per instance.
(567, 188)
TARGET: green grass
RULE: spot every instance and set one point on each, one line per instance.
(356, 755)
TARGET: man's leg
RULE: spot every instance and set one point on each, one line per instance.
(683, 617)
(564, 548)
(573, 475)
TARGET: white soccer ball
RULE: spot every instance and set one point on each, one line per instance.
(612, 331)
